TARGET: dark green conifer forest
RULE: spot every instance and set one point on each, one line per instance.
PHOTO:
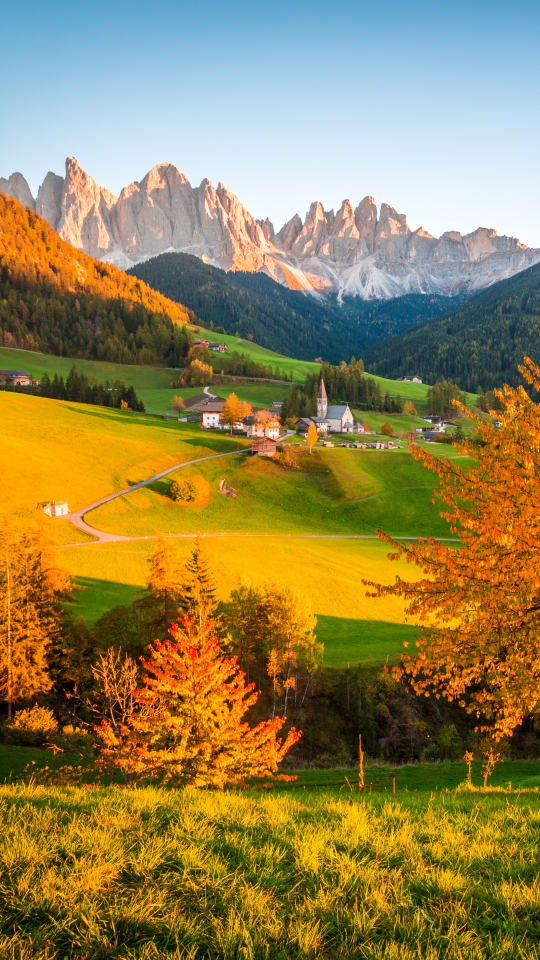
(478, 345)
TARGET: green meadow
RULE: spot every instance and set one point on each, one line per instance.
(154, 384)
(296, 874)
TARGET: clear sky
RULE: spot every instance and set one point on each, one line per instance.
(432, 107)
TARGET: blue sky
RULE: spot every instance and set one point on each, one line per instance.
(431, 107)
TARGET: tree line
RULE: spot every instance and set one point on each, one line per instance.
(84, 388)
(346, 383)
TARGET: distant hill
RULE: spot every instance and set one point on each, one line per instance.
(479, 344)
(58, 300)
(280, 319)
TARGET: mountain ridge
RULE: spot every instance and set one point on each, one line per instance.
(358, 251)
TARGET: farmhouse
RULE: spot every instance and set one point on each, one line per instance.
(263, 423)
(211, 413)
(218, 347)
(54, 509)
(411, 379)
(302, 425)
(204, 344)
(263, 447)
(12, 377)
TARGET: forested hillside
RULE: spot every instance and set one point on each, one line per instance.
(58, 300)
(480, 344)
(281, 319)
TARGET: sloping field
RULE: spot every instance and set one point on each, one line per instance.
(353, 627)
(79, 453)
(336, 492)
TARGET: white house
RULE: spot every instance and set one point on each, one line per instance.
(54, 509)
(263, 423)
(211, 413)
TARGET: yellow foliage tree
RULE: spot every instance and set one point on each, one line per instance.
(233, 411)
(311, 436)
(410, 408)
(478, 605)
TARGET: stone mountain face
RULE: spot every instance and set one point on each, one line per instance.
(355, 252)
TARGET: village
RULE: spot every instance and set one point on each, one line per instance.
(265, 429)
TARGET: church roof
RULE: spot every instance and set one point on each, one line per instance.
(337, 412)
(322, 391)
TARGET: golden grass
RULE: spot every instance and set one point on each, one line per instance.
(329, 572)
(80, 453)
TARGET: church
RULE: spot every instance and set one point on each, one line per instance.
(331, 418)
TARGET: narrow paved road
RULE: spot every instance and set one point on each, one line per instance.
(77, 518)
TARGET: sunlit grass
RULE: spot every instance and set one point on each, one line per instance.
(353, 627)
(79, 453)
(145, 873)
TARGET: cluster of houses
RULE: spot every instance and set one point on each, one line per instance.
(331, 418)
(19, 378)
(215, 347)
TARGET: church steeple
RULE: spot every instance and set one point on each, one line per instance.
(322, 401)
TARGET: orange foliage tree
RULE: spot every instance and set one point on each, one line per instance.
(479, 604)
(187, 722)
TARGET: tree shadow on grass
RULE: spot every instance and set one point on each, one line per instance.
(354, 641)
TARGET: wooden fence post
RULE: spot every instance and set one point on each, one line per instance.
(360, 764)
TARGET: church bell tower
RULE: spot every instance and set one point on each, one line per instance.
(322, 401)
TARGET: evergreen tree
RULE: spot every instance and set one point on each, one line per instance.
(199, 594)
(23, 637)
(164, 589)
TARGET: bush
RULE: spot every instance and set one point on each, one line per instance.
(286, 460)
(76, 736)
(30, 728)
(190, 490)
(387, 430)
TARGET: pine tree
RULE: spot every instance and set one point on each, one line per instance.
(199, 594)
(164, 588)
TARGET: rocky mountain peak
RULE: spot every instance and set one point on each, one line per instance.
(356, 251)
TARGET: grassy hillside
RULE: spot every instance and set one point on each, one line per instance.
(354, 628)
(479, 344)
(63, 450)
(332, 875)
(336, 491)
(60, 450)
(273, 314)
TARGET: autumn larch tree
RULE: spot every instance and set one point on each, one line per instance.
(187, 723)
(479, 604)
(311, 436)
(164, 588)
(293, 649)
(24, 670)
(234, 411)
